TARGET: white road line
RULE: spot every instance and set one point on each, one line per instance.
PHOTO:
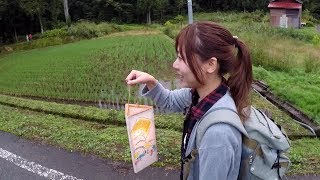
(34, 167)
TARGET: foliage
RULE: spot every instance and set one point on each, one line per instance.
(43, 42)
(35, 7)
(179, 20)
(168, 30)
(62, 32)
(84, 29)
(316, 40)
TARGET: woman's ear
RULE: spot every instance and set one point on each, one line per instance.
(212, 65)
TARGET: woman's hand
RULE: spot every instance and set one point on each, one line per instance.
(139, 77)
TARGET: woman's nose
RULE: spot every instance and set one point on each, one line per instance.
(175, 64)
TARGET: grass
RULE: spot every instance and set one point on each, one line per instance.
(108, 140)
(102, 116)
(299, 88)
(305, 156)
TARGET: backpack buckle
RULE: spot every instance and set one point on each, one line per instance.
(276, 165)
(185, 159)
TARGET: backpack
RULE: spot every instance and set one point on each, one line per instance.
(264, 144)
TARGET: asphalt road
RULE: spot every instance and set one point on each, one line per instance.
(22, 159)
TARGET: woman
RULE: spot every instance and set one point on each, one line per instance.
(206, 54)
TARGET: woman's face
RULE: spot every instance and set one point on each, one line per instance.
(185, 76)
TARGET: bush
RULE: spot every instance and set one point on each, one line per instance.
(168, 30)
(256, 16)
(62, 32)
(316, 40)
(295, 33)
(43, 42)
(105, 28)
(179, 20)
(88, 30)
(84, 29)
(308, 18)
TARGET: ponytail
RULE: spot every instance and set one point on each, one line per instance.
(240, 79)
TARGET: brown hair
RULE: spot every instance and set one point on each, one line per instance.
(204, 40)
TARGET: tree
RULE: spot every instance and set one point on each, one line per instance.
(146, 6)
(34, 7)
(313, 6)
(179, 4)
(55, 12)
(11, 20)
(160, 6)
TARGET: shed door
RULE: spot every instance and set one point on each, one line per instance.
(284, 21)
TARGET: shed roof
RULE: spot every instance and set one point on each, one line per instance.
(299, 1)
(285, 5)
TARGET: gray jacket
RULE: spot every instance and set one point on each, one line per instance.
(220, 149)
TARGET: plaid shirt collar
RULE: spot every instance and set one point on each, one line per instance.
(197, 110)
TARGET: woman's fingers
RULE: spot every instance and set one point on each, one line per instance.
(133, 82)
(135, 77)
(139, 77)
(131, 76)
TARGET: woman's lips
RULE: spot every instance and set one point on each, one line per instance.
(179, 76)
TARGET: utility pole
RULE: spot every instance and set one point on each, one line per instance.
(190, 15)
(66, 12)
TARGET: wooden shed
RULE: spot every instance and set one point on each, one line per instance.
(285, 13)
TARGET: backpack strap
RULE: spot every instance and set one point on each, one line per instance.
(219, 115)
(214, 116)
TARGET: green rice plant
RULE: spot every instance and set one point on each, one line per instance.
(82, 70)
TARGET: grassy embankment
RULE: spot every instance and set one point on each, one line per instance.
(288, 60)
(102, 132)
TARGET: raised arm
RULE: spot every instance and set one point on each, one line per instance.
(174, 101)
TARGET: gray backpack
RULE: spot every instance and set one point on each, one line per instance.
(264, 144)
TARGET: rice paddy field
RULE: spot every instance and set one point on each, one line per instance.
(88, 70)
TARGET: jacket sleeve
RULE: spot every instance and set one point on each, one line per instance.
(174, 101)
(219, 155)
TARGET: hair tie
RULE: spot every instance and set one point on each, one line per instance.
(235, 40)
